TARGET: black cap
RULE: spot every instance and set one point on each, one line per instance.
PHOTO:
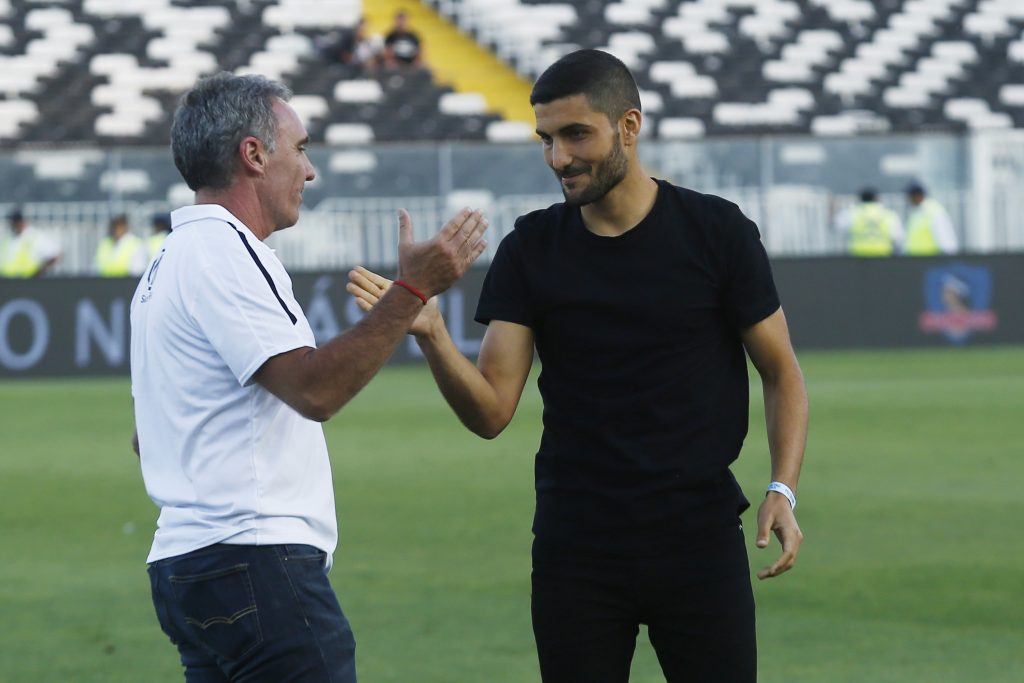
(915, 188)
(868, 194)
(162, 220)
(15, 214)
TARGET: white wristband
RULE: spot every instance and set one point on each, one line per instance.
(779, 487)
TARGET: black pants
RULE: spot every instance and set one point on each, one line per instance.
(697, 605)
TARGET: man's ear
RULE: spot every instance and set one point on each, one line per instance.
(253, 154)
(631, 122)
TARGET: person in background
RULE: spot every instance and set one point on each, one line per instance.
(230, 390)
(120, 253)
(160, 226)
(354, 46)
(402, 46)
(25, 252)
(929, 228)
(642, 301)
(871, 229)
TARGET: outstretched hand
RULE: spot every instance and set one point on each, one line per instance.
(434, 265)
(368, 287)
(776, 515)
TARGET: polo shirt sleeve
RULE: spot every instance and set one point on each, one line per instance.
(749, 295)
(236, 309)
(505, 295)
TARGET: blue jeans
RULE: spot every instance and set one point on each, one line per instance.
(254, 614)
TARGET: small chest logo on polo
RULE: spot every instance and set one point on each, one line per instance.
(957, 301)
(151, 277)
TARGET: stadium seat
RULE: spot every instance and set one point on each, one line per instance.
(364, 90)
(680, 128)
(309, 107)
(352, 161)
(462, 104)
(14, 114)
(348, 134)
(509, 131)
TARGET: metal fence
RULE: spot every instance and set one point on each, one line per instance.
(791, 187)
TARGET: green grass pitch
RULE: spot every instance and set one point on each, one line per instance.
(911, 504)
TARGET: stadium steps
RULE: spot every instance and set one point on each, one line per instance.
(456, 60)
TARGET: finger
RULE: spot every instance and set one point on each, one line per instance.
(362, 288)
(373, 277)
(361, 295)
(781, 566)
(404, 227)
(453, 227)
(375, 285)
(475, 252)
(475, 229)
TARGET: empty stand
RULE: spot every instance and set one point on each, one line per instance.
(109, 72)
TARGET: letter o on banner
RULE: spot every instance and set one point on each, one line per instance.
(32, 310)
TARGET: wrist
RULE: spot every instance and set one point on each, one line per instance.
(412, 290)
(433, 331)
(784, 490)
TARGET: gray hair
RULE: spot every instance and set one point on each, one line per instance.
(214, 117)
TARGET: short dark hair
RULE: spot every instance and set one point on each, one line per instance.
(602, 78)
(212, 120)
(869, 194)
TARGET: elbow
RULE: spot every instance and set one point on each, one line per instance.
(488, 433)
(315, 413)
(316, 408)
(489, 428)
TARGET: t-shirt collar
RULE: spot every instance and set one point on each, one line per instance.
(198, 212)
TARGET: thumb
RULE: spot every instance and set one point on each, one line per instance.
(404, 227)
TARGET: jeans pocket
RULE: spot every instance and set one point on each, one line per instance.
(220, 609)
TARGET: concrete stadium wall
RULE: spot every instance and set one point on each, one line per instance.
(79, 326)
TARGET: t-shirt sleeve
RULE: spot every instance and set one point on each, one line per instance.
(749, 294)
(238, 312)
(505, 294)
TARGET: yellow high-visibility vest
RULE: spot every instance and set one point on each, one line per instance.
(21, 262)
(115, 259)
(871, 231)
(920, 234)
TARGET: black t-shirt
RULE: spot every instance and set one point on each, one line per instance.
(644, 377)
(404, 44)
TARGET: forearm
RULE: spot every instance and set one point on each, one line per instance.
(475, 402)
(330, 376)
(786, 415)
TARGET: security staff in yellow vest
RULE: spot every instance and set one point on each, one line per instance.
(120, 253)
(871, 229)
(161, 224)
(26, 252)
(929, 228)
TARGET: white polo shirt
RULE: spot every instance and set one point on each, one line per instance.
(224, 459)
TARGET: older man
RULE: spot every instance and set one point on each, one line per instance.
(229, 389)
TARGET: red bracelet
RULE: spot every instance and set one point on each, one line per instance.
(417, 293)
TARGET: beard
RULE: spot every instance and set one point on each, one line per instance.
(609, 173)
